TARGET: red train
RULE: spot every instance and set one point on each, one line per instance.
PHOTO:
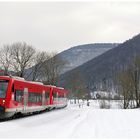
(18, 96)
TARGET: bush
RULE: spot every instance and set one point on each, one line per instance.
(104, 104)
(116, 97)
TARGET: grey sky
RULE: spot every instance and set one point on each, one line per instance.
(60, 25)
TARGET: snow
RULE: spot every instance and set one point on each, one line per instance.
(75, 122)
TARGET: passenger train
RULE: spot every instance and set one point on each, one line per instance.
(18, 96)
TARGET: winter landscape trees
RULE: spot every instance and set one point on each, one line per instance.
(5, 58)
(77, 86)
(129, 84)
(22, 56)
(24, 60)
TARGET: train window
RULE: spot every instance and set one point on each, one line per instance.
(18, 95)
(61, 96)
(3, 88)
(54, 95)
(47, 95)
(40, 97)
(31, 97)
(35, 97)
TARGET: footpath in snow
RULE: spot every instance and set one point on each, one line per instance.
(75, 122)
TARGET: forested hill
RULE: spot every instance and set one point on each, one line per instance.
(105, 65)
(80, 54)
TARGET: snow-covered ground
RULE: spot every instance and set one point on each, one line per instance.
(75, 122)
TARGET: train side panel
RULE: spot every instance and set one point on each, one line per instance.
(28, 97)
(59, 97)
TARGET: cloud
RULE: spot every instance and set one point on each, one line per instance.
(60, 25)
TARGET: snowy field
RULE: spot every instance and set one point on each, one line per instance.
(75, 122)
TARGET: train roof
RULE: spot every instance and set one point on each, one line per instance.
(13, 77)
(34, 82)
(16, 78)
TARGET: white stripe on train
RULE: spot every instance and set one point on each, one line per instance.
(33, 108)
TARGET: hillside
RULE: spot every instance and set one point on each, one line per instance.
(103, 66)
(80, 54)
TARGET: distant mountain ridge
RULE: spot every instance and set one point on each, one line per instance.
(77, 56)
(107, 63)
(80, 54)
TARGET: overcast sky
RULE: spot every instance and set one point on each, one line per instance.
(60, 25)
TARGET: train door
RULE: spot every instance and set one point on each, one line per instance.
(43, 98)
(51, 96)
(25, 99)
(57, 99)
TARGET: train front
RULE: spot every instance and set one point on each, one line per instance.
(4, 96)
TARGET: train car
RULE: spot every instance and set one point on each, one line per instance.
(59, 97)
(18, 96)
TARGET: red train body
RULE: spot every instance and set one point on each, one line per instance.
(25, 97)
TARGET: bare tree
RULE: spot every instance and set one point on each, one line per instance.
(22, 56)
(76, 85)
(129, 81)
(39, 61)
(5, 58)
(135, 74)
(126, 87)
(26, 62)
(52, 68)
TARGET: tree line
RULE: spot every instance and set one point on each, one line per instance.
(126, 84)
(24, 60)
(77, 87)
(129, 83)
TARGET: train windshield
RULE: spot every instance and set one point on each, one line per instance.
(3, 88)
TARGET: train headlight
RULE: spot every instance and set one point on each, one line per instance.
(3, 101)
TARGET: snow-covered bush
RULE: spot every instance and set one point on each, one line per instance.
(104, 104)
